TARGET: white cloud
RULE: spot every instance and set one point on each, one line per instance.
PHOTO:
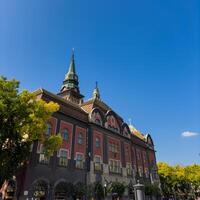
(189, 134)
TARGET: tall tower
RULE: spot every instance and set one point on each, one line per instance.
(70, 87)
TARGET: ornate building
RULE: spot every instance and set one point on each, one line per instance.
(97, 145)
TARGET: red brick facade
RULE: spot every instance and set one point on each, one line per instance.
(97, 144)
(80, 146)
(66, 143)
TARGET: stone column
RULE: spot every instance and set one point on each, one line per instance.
(139, 191)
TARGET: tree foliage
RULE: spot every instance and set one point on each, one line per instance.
(98, 191)
(79, 190)
(118, 188)
(179, 180)
(152, 189)
(23, 120)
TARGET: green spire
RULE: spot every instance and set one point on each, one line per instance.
(72, 65)
(71, 78)
(96, 93)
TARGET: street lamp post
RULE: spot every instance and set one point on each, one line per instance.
(105, 190)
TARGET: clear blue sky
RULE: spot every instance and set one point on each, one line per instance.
(144, 54)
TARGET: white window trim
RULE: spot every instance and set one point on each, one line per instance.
(80, 153)
(77, 153)
(97, 156)
(63, 149)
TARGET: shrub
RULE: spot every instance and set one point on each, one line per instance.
(118, 188)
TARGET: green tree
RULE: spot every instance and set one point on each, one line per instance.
(152, 189)
(118, 188)
(98, 191)
(167, 178)
(78, 191)
(90, 191)
(23, 120)
(179, 181)
(192, 174)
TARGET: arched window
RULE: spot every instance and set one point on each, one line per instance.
(49, 129)
(97, 121)
(65, 134)
(61, 190)
(80, 138)
(111, 123)
(96, 117)
(98, 143)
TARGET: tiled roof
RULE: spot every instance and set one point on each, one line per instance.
(137, 133)
(59, 98)
(97, 103)
(92, 103)
(87, 107)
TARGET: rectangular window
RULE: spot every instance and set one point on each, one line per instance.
(147, 172)
(129, 169)
(43, 159)
(97, 163)
(144, 157)
(80, 138)
(138, 155)
(63, 157)
(114, 166)
(140, 171)
(114, 148)
(98, 143)
(79, 161)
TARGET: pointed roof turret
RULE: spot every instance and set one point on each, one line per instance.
(71, 78)
(96, 93)
(70, 86)
(71, 74)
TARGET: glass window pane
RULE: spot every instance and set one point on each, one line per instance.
(48, 129)
(80, 138)
(65, 134)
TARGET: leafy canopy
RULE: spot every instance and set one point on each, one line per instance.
(118, 188)
(23, 119)
(179, 180)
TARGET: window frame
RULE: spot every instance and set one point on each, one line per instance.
(67, 133)
(49, 128)
(80, 138)
(42, 158)
(115, 166)
(97, 165)
(129, 169)
(79, 163)
(63, 160)
(97, 141)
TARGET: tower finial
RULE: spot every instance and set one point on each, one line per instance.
(71, 78)
(96, 93)
(73, 53)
